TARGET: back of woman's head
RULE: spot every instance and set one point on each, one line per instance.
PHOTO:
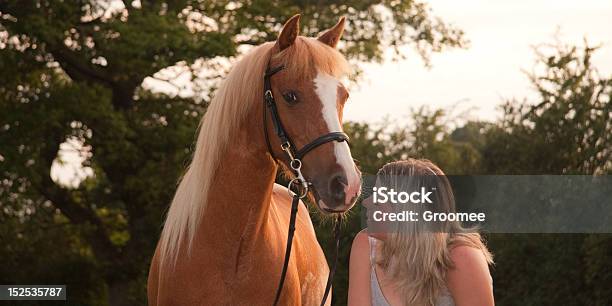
(416, 255)
(419, 176)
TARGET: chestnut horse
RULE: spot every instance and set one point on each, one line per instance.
(223, 241)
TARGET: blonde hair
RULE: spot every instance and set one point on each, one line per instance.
(416, 256)
(232, 102)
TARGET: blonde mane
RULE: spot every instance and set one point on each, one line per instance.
(232, 102)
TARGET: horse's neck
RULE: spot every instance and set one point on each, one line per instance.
(239, 197)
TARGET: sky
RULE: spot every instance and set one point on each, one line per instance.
(502, 35)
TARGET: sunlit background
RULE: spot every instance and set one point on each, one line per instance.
(476, 80)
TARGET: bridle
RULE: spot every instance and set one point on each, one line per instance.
(299, 182)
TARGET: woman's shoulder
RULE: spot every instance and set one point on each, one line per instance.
(465, 252)
(361, 241)
(359, 271)
(466, 257)
(469, 266)
(469, 279)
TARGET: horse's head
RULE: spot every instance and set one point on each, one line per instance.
(310, 101)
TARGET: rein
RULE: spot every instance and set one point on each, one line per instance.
(299, 182)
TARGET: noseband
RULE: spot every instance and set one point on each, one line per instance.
(302, 186)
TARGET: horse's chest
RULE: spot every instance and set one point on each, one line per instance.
(259, 271)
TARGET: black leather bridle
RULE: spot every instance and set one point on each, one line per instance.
(299, 182)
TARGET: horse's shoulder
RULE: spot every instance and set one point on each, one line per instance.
(282, 199)
(280, 192)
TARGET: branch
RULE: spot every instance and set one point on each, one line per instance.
(169, 82)
(252, 42)
(80, 71)
(172, 79)
(77, 214)
(94, 20)
(76, 68)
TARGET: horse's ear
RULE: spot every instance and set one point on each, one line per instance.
(332, 36)
(289, 33)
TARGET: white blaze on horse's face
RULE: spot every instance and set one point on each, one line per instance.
(326, 88)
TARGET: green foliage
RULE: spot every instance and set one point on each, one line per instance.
(567, 131)
(427, 136)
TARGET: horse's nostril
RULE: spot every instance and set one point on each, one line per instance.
(336, 187)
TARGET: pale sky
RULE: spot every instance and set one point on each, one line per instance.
(502, 34)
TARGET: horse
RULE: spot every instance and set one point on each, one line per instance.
(224, 237)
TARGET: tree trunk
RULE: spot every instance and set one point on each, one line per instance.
(123, 96)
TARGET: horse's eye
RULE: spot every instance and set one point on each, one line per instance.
(290, 97)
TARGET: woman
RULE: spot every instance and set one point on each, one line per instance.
(417, 262)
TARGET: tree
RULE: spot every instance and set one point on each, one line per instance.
(568, 130)
(73, 72)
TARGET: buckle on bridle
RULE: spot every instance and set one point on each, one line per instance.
(301, 192)
(295, 164)
(268, 95)
(285, 146)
